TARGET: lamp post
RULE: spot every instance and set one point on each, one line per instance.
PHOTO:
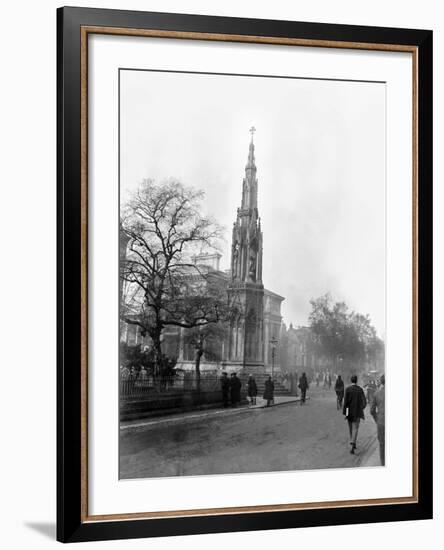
(273, 343)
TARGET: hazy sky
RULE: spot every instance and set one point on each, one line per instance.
(320, 156)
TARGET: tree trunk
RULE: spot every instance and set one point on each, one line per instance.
(199, 353)
(157, 348)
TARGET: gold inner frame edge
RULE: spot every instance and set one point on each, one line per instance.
(85, 32)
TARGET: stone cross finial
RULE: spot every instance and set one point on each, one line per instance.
(252, 130)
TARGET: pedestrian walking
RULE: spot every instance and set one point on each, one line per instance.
(377, 410)
(303, 386)
(235, 389)
(225, 387)
(329, 380)
(353, 409)
(252, 389)
(339, 389)
(269, 391)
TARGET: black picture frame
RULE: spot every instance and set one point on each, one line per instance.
(71, 524)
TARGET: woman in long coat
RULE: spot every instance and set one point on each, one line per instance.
(269, 391)
(235, 389)
(252, 389)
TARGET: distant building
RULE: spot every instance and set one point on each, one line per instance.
(297, 351)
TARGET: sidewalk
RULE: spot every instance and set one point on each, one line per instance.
(371, 459)
(192, 415)
(278, 400)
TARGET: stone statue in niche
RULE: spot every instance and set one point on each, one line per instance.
(235, 258)
(252, 267)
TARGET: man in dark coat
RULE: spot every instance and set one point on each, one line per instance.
(252, 389)
(353, 409)
(377, 410)
(339, 389)
(269, 391)
(235, 389)
(303, 386)
(225, 387)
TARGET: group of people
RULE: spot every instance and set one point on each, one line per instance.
(231, 389)
(127, 373)
(325, 377)
(354, 403)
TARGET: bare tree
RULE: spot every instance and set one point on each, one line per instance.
(207, 341)
(165, 227)
(341, 333)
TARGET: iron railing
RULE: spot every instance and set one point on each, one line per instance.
(135, 386)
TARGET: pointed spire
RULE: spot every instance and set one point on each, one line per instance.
(246, 259)
(249, 193)
(251, 163)
(251, 160)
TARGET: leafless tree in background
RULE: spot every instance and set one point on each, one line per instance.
(165, 227)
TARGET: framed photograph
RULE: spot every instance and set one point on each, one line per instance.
(244, 274)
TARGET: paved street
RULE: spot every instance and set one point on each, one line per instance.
(284, 437)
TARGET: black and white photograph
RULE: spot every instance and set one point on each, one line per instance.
(252, 265)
